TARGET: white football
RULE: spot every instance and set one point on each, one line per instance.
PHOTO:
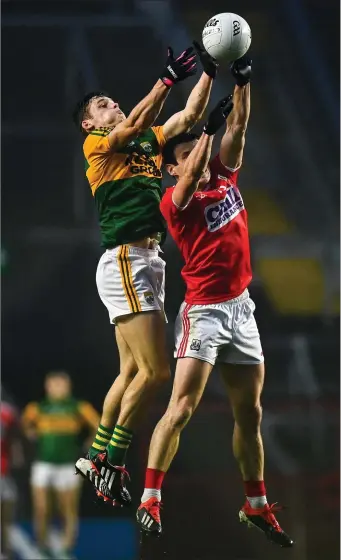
(227, 37)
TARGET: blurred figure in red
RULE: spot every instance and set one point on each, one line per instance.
(11, 457)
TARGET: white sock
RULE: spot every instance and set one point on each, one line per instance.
(257, 502)
(150, 493)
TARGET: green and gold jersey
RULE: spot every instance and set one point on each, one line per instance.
(126, 185)
(58, 425)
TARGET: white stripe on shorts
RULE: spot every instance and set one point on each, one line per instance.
(186, 328)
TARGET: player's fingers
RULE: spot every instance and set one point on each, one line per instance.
(225, 100)
(198, 47)
(186, 53)
(192, 70)
(227, 110)
(188, 61)
(170, 52)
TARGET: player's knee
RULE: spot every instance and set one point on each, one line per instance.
(180, 413)
(128, 372)
(248, 416)
(156, 375)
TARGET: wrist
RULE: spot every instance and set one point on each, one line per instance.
(206, 130)
(167, 82)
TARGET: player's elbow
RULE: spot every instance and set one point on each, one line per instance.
(190, 178)
(138, 128)
(190, 120)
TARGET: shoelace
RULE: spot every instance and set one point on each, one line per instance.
(270, 517)
(154, 510)
(124, 473)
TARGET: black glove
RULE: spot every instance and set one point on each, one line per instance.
(241, 70)
(218, 116)
(180, 68)
(209, 64)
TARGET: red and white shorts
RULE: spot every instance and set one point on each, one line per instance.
(219, 332)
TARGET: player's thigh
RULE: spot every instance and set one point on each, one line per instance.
(145, 334)
(243, 383)
(65, 479)
(245, 346)
(190, 380)
(198, 332)
(68, 501)
(41, 500)
(128, 281)
(128, 365)
(41, 475)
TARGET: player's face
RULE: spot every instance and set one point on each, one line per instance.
(57, 388)
(181, 153)
(103, 112)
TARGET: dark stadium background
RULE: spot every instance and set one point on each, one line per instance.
(52, 52)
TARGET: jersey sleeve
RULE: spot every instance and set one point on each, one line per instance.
(96, 144)
(168, 209)
(160, 137)
(89, 415)
(218, 168)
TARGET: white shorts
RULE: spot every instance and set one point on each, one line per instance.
(130, 280)
(49, 475)
(221, 332)
(8, 489)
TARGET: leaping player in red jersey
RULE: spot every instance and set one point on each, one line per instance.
(207, 219)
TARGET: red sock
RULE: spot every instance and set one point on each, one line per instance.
(153, 483)
(254, 488)
(154, 479)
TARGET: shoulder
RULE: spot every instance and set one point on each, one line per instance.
(97, 141)
(32, 409)
(159, 134)
(219, 169)
(8, 412)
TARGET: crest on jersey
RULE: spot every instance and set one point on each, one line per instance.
(195, 344)
(147, 147)
(149, 297)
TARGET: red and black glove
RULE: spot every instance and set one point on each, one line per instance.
(218, 116)
(209, 64)
(180, 68)
(241, 70)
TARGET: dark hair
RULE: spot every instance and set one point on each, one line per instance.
(57, 374)
(169, 148)
(81, 109)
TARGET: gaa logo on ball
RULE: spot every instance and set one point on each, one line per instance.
(226, 37)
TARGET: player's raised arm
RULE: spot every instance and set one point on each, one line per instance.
(184, 120)
(145, 113)
(97, 111)
(233, 141)
(198, 159)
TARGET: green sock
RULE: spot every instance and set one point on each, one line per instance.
(101, 441)
(119, 445)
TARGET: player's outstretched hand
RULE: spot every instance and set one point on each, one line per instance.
(180, 68)
(218, 116)
(209, 64)
(241, 70)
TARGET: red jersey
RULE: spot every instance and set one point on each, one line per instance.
(212, 235)
(8, 419)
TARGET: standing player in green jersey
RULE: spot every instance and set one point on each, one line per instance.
(55, 425)
(123, 164)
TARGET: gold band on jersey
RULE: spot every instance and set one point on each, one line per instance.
(127, 280)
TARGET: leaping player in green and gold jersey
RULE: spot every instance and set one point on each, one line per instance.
(123, 158)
